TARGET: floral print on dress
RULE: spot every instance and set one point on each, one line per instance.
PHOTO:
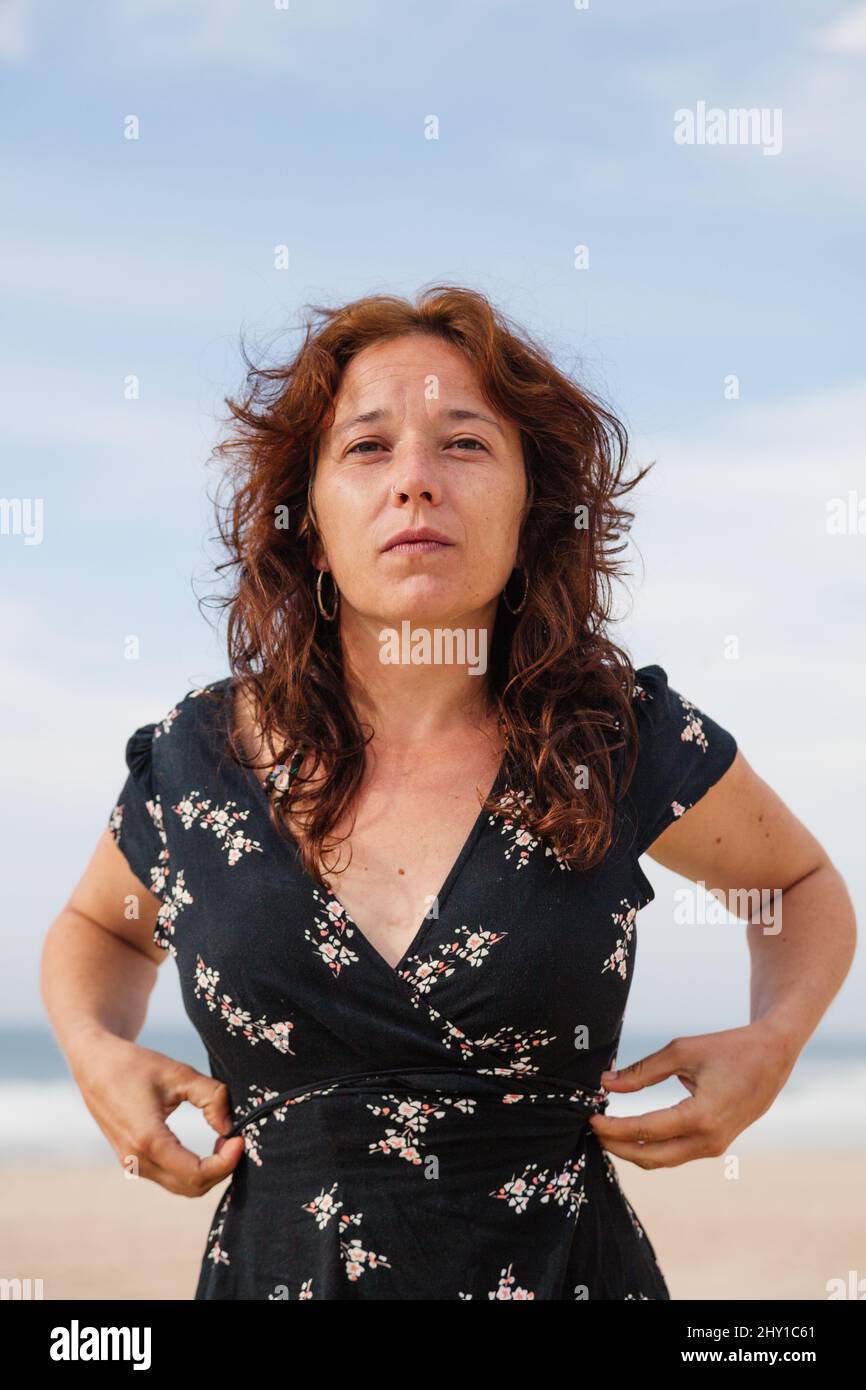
(618, 959)
(225, 822)
(693, 731)
(507, 1288)
(681, 753)
(357, 1259)
(324, 1207)
(306, 1291)
(164, 726)
(252, 1130)
(471, 945)
(562, 1188)
(214, 1251)
(593, 1102)
(330, 934)
(236, 1018)
(262, 1104)
(522, 842)
(411, 1119)
(160, 870)
(175, 896)
(178, 897)
(518, 1047)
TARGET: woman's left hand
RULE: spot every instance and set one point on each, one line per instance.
(733, 1077)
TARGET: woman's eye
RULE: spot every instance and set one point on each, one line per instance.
(462, 442)
(365, 443)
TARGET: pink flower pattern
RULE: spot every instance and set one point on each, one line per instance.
(625, 922)
(225, 822)
(236, 1018)
(563, 1189)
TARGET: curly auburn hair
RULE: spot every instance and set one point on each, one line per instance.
(562, 687)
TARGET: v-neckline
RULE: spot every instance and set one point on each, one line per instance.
(441, 897)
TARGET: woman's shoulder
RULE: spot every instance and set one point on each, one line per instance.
(157, 743)
(650, 684)
(199, 705)
(664, 711)
(651, 701)
(681, 752)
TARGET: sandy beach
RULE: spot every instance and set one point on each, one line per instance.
(780, 1230)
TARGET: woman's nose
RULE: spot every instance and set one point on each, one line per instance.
(414, 470)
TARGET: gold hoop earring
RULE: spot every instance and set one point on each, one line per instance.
(522, 602)
(328, 616)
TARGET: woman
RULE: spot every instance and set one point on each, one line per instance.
(411, 1005)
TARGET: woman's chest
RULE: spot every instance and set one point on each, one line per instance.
(519, 964)
(399, 858)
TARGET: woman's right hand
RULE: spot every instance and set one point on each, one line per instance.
(99, 965)
(130, 1091)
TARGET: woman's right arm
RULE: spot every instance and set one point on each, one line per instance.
(98, 968)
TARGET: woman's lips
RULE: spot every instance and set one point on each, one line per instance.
(416, 547)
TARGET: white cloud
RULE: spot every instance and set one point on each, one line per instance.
(801, 447)
(16, 30)
(332, 42)
(846, 33)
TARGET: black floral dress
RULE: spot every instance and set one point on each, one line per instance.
(418, 1131)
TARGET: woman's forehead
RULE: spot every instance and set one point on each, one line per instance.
(413, 356)
(385, 377)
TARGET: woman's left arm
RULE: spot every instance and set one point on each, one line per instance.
(742, 839)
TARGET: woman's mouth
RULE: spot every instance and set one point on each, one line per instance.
(415, 547)
(418, 540)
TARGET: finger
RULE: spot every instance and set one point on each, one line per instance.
(669, 1154)
(190, 1174)
(674, 1122)
(207, 1094)
(646, 1071)
(222, 1141)
(161, 1176)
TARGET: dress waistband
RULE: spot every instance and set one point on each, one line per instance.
(510, 1087)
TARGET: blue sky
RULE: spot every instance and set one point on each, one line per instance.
(305, 126)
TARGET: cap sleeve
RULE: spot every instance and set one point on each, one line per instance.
(136, 822)
(682, 752)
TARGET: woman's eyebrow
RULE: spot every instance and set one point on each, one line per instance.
(456, 414)
(368, 417)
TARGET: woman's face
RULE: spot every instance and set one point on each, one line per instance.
(432, 453)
